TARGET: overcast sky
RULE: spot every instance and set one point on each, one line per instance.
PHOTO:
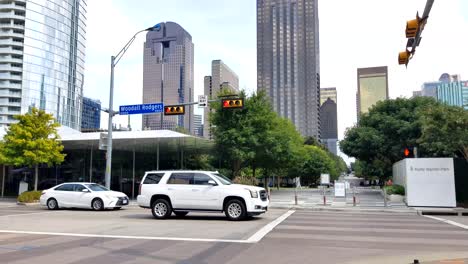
(358, 33)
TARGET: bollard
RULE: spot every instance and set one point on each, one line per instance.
(324, 200)
(354, 196)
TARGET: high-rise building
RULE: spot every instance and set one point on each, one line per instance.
(42, 52)
(288, 65)
(429, 89)
(168, 75)
(329, 124)
(197, 125)
(222, 77)
(91, 114)
(326, 93)
(372, 87)
(453, 93)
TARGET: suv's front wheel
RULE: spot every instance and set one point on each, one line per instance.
(235, 210)
(161, 209)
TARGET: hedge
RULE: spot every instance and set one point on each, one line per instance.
(29, 197)
(395, 189)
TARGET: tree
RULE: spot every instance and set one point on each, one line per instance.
(444, 131)
(32, 141)
(381, 135)
(314, 162)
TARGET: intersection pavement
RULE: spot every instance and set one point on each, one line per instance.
(303, 237)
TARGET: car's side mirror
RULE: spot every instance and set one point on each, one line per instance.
(211, 182)
(85, 190)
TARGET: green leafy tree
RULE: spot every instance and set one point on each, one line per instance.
(381, 135)
(444, 131)
(313, 162)
(32, 141)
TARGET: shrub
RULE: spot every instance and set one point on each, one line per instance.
(395, 189)
(29, 197)
(247, 180)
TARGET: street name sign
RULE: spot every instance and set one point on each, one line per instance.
(141, 109)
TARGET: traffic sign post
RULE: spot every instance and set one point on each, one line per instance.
(141, 109)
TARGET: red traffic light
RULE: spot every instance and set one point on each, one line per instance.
(407, 152)
(233, 103)
(174, 110)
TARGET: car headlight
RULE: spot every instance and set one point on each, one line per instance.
(253, 194)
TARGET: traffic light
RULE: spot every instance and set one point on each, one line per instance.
(412, 27)
(404, 57)
(232, 103)
(408, 152)
(174, 110)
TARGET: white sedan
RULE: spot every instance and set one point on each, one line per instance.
(82, 195)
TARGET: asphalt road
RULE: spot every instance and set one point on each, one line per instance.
(31, 234)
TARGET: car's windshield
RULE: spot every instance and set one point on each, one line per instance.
(96, 187)
(223, 179)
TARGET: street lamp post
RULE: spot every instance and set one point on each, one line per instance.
(114, 61)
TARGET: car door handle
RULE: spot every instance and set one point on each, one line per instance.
(195, 190)
(170, 189)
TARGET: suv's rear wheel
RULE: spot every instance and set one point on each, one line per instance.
(161, 209)
(235, 210)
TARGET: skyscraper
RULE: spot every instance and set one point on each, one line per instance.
(326, 93)
(329, 124)
(42, 52)
(222, 77)
(288, 65)
(197, 125)
(168, 75)
(372, 87)
(91, 114)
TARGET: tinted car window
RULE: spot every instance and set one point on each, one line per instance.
(79, 187)
(96, 187)
(201, 179)
(181, 178)
(65, 187)
(153, 178)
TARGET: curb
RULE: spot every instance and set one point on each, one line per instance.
(344, 209)
(27, 204)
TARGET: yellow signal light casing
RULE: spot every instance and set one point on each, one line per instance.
(174, 110)
(412, 27)
(232, 103)
(403, 57)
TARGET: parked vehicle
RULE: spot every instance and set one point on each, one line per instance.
(180, 192)
(82, 195)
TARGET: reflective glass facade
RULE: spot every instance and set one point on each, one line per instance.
(372, 87)
(51, 58)
(453, 93)
(168, 61)
(288, 60)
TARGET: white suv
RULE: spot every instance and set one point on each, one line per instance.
(183, 191)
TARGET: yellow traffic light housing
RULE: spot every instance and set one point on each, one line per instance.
(412, 27)
(404, 57)
(174, 110)
(232, 103)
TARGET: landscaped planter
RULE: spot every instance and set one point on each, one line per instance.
(396, 198)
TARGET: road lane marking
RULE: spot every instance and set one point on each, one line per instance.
(26, 214)
(266, 229)
(126, 237)
(447, 221)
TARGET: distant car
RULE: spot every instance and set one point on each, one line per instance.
(82, 195)
(180, 192)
